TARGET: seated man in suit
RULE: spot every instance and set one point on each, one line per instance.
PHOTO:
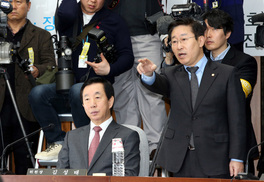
(219, 27)
(97, 95)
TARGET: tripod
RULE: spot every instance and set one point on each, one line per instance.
(6, 77)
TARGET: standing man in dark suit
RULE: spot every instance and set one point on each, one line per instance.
(219, 28)
(35, 43)
(205, 137)
(97, 96)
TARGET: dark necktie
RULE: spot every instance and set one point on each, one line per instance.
(194, 90)
(194, 83)
(94, 143)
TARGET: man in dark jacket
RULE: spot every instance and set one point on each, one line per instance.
(207, 120)
(219, 28)
(35, 43)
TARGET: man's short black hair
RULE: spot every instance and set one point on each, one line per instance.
(197, 28)
(219, 20)
(108, 88)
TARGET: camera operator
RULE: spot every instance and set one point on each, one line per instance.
(77, 17)
(30, 37)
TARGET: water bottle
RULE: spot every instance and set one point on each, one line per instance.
(118, 157)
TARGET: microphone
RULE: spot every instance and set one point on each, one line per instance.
(163, 24)
(258, 18)
(247, 175)
(6, 7)
(3, 170)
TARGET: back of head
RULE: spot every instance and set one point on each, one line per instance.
(219, 20)
(197, 28)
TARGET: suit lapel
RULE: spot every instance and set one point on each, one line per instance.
(182, 78)
(229, 56)
(109, 134)
(84, 144)
(208, 78)
(27, 36)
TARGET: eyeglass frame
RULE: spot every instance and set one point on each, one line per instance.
(182, 40)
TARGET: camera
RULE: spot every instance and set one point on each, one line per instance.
(259, 36)
(192, 10)
(64, 77)
(104, 47)
(8, 51)
(5, 47)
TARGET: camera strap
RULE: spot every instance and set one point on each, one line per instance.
(82, 35)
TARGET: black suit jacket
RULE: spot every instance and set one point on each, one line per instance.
(247, 68)
(74, 153)
(217, 121)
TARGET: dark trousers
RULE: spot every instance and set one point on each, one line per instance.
(192, 169)
(10, 130)
(46, 103)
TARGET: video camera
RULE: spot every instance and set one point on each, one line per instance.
(259, 36)
(103, 46)
(192, 10)
(7, 49)
(64, 77)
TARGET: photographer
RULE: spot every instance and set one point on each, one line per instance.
(20, 29)
(76, 17)
(134, 102)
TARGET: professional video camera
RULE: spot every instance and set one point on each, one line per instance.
(259, 36)
(7, 50)
(187, 10)
(64, 77)
(5, 47)
(103, 46)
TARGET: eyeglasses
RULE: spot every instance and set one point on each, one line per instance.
(182, 40)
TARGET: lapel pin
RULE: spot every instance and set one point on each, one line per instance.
(213, 74)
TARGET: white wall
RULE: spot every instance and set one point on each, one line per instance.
(251, 8)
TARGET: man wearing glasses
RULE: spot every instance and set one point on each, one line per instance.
(206, 131)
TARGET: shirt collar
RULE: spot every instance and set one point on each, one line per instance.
(201, 64)
(221, 55)
(103, 125)
(19, 29)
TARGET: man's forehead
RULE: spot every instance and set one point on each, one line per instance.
(184, 34)
(96, 88)
(87, 94)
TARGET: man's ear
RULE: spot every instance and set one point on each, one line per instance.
(29, 5)
(228, 34)
(201, 40)
(111, 102)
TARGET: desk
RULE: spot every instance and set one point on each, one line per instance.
(38, 178)
(25, 178)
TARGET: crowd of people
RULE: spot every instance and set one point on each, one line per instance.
(207, 79)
